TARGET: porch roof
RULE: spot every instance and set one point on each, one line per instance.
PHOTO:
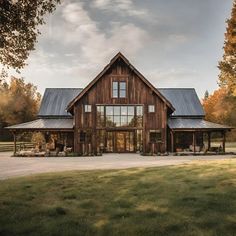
(45, 124)
(194, 124)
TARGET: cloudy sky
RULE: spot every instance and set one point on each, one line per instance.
(173, 43)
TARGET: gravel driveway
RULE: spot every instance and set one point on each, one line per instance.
(19, 166)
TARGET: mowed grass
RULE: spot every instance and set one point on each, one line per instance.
(197, 199)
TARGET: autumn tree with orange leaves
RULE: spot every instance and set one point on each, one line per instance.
(220, 107)
(19, 101)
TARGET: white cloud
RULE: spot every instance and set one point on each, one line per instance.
(174, 77)
(96, 46)
(124, 7)
(178, 38)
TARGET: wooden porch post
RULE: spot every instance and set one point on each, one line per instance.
(223, 141)
(172, 140)
(14, 136)
(194, 142)
(208, 140)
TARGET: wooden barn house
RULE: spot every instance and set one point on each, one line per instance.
(121, 111)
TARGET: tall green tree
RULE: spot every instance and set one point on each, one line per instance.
(227, 66)
(19, 21)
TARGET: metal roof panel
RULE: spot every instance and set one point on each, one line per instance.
(55, 101)
(187, 123)
(184, 100)
(38, 124)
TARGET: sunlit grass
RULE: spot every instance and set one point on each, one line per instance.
(196, 199)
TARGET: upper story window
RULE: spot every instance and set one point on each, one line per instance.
(122, 91)
(119, 89)
(115, 89)
(151, 108)
(87, 108)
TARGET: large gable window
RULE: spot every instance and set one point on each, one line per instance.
(119, 89)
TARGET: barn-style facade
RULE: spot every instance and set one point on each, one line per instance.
(121, 111)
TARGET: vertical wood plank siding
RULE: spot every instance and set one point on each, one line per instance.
(137, 92)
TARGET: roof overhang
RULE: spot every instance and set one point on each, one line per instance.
(195, 124)
(44, 124)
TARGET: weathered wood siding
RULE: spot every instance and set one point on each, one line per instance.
(137, 93)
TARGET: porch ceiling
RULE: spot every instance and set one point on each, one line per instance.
(44, 124)
(194, 124)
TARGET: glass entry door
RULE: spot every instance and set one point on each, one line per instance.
(120, 141)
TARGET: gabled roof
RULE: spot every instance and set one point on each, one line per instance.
(42, 124)
(184, 100)
(106, 68)
(55, 101)
(192, 124)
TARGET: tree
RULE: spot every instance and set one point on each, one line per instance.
(227, 66)
(214, 106)
(220, 107)
(19, 101)
(206, 95)
(19, 21)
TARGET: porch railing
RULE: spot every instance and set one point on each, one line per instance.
(9, 147)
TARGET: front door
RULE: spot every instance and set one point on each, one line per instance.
(120, 141)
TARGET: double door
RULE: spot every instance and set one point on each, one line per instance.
(120, 141)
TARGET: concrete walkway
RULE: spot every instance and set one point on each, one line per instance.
(19, 166)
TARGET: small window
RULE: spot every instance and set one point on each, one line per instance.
(82, 136)
(151, 108)
(115, 89)
(122, 89)
(87, 108)
(154, 137)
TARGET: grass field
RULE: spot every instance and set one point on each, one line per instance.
(197, 199)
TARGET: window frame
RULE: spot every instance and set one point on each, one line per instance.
(157, 136)
(115, 89)
(149, 108)
(118, 92)
(87, 108)
(122, 89)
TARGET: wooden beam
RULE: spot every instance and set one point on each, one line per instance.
(172, 140)
(208, 140)
(194, 142)
(14, 136)
(223, 141)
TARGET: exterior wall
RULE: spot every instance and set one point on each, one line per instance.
(137, 93)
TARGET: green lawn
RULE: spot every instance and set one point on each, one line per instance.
(197, 199)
